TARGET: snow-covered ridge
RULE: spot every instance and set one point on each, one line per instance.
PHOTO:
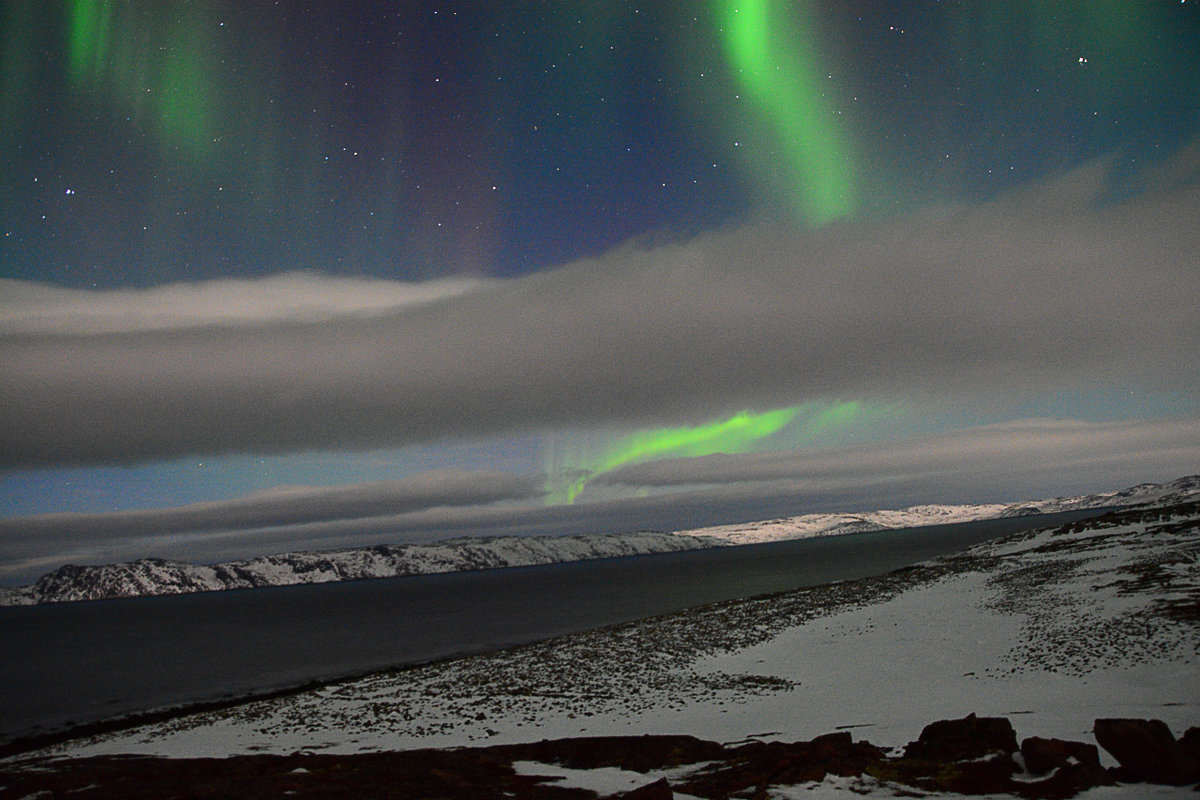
(153, 576)
(808, 525)
(1177, 491)
(805, 526)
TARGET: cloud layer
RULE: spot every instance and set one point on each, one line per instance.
(973, 463)
(1022, 460)
(997, 302)
(32, 308)
(292, 517)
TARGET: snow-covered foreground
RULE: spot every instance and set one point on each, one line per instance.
(610, 781)
(1051, 629)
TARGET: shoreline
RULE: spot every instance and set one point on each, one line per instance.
(1056, 627)
(32, 743)
(364, 627)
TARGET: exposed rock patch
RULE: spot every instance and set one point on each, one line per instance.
(968, 756)
(1147, 752)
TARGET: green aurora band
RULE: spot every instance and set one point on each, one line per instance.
(737, 434)
(89, 24)
(149, 60)
(777, 63)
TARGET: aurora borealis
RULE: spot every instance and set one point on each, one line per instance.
(771, 52)
(149, 65)
(582, 266)
(732, 435)
(743, 432)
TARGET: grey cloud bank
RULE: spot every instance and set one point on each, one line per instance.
(1023, 460)
(289, 505)
(32, 308)
(287, 517)
(999, 301)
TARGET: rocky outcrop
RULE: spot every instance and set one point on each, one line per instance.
(659, 790)
(631, 753)
(1063, 768)
(972, 755)
(1147, 752)
(969, 756)
(1043, 756)
(961, 739)
(756, 766)
(1190, 741)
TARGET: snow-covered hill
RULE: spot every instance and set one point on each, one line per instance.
(808, 525)
(152, 576)
(1177, 491)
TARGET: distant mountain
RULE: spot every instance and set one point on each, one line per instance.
(154, 576)
(808, 525)
(1177, 491)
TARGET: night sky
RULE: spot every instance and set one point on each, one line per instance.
(296, 275)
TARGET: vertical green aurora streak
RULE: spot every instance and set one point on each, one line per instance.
(149, 59)
(777, 63)
(88, 34)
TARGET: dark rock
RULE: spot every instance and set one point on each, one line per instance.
(1190, 741)
(659, 790)
(1147, 751)
(758, 765)
(466, 774)
(1073, 767)
(961, 739)
(1044, 755)
(633, 753)
(972, 755)
(839, 754)
(945, 759)
(991, 775)
(1063, 783)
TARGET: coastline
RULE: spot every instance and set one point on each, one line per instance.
(1011, 626)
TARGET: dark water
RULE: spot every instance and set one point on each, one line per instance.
(79, 662)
